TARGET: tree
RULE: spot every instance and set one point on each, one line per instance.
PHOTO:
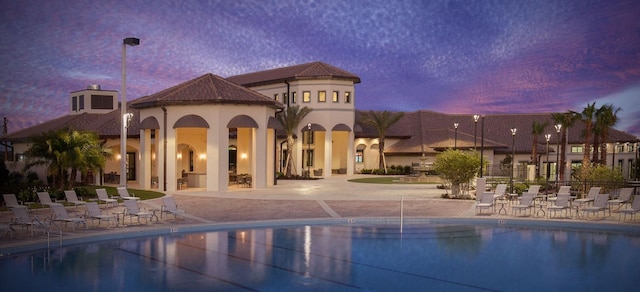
(457, 168)
(566, 119)
(290, 119)
(606, 117)
(381, 122)
(537, 128)
(588, 114)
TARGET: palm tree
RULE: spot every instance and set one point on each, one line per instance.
(588, 115)
(381, 122)
(537, 128)
(290, 118)
(606, 117)
(566, 119)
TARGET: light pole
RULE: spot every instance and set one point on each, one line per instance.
(613, 163)
(308, 150)
(558, 128)
(455, 139)
(475, 130)
(481, 146)
(546, 188)
(126, 118)
(513, 155)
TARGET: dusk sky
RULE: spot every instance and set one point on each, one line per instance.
(471, 56)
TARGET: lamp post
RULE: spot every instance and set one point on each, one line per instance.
(481, 146)
(513, 155)
(475, 130)
(613, 158)
(308, 150)
(558, 128)
(546, 188)
(126, 118)
(455, 137)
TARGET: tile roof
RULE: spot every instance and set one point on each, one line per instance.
(314, 70)
(206, 89)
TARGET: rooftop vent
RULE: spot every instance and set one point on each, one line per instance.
(94, 87)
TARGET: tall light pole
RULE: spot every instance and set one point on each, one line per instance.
(126, 118)
(308, 150)
(558, 128)
(546, 188)
(475, 130)
(482, 146)
(513, 155)
(455, 139)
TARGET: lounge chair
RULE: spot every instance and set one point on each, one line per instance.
(500, 191)
(561, 204)
(104, 197)
(21, 217)
(562, 190)
(534, 189)
(591, 196)
(169, 206)
(72, 198)
(124, 194)
(599, 204)
(12, 202)
(45, 199)
(487, 202)
(635, 208)
(93, 212)
(481, 185)
(133, 210)
(624, 196)
(526, 202)
(60, 214)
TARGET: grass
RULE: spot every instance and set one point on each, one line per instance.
(386, 180)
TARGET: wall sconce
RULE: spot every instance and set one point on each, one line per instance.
(153, 156)
(202, 156)
(179, 156)
(243, 156)
(118, 157)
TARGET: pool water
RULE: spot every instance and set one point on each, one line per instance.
(424, 257)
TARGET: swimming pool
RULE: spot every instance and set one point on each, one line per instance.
(436, 256)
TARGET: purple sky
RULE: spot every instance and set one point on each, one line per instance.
(471, 56)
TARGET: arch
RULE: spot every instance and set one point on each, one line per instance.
(242, 121)
(341, 127)
(149, 123)
(361, 147)
(314, 127)
(191, 121)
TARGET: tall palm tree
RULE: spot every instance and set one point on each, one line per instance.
(588, 115)
(290, 119)
(537, 128)
(606, 117)
(566, 119)
(381, 122)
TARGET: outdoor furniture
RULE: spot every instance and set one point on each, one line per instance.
(624, 196)
(12, 202)
(72, 198)
(599, 204)
(169, 206)
(133, 210)
(124, 194)
(104, 197)
(21, 217)
(45, 199)
(487, 202)
(635, 208)
(591, 196)
(562, 190)
(561, 204)
(60, 214)
(526, 202)
(93, 212)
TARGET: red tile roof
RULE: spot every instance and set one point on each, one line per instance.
(314, 70)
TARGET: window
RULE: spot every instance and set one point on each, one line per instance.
(576, 149)
(285, 98)
(275, 96)
(74, 103)
(81, 102)
(322, 96)
(306, 96)
(347, 97)
(293, 97)
(307, 137)
(335, 96)
(359, 156)
(576, 164)
(101, 101)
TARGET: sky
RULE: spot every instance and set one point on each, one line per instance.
(466, 57)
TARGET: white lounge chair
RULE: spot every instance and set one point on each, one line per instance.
(599, 204)
(93, 212)
(561, 204)
(133, 210)
(169, 206)
(72, 198)
(60, 214)
(635, 208)
(124, 194)
(104, 197)
(562, 190)
(500, 191)
(526, 202)
(11, 201)
(487, 202)
(624, 196)
(21, 217)
(591, 196)
(45, 199)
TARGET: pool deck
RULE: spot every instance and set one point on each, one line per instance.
(325, 198)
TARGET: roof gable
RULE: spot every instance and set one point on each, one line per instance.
(314, 70)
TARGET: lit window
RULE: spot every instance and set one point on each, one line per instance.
(347, 97)
(306, 96)
(308, 158)
(359, 156)
(576, 149)
(275, 96)
(322, 96)
(335, 96)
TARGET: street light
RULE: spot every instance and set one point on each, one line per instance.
(546, 188)
(513, 155)
(126, 118)
(558, 128)
(482, 146)
(309, 150)
(475, 130)
(455, 139)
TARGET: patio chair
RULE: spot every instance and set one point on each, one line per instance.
(534, 189)
(526, 202)
(169, 206)
(12, 202)
(124, 194)
(60, 214)
(133, 210)
(561, 204)
(562, 190)
(599, 204)
(72, 198)
(481, 185)
(635, 208)
(93, 212)
(45, 199)
(21, 217)
(104, 197)
(500, 191)
(591, 196)
(487, 202)
(624, 196)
